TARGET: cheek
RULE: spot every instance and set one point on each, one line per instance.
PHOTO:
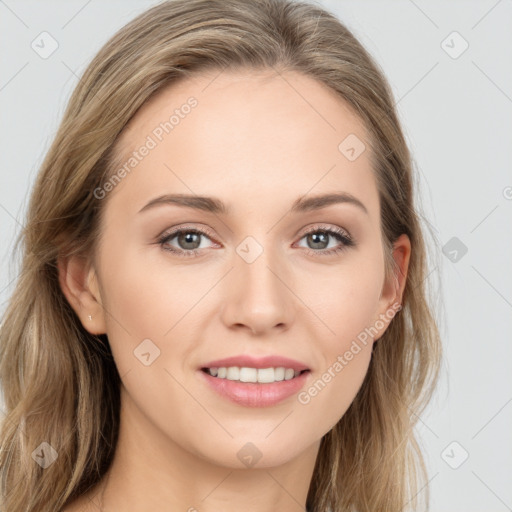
(140, 304)
(148, 297)
(332, 389)
(345, 349)
(144, 295)
(346, 300)
(347, 308)
(145, 307)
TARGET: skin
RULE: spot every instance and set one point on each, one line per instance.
(257, 141)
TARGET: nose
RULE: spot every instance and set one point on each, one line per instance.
(258, 296)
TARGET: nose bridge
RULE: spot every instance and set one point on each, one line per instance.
(257, 296)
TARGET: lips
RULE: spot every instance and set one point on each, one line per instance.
(245, 360)
(250, 394)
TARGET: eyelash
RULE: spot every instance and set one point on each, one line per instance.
(339, 234)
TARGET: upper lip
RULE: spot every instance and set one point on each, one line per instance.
(245, 360)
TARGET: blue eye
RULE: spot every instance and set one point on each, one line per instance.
(192, 237)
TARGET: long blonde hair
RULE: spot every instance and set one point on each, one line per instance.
(60, 383)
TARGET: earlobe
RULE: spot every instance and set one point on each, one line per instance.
(79, 284)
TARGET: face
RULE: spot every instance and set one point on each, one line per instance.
(273, 272)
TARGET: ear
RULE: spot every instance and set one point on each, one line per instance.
(79, 283)
(393, 288)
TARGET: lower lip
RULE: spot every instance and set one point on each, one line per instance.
(254, 394)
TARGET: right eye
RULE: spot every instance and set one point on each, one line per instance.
(188, 238)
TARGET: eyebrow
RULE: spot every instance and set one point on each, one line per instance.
(216, 206)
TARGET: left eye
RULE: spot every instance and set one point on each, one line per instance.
(321, 237)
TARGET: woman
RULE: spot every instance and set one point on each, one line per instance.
(222, 298)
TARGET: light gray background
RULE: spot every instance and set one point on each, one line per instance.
(457, 116)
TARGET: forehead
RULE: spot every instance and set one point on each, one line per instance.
(256, 134)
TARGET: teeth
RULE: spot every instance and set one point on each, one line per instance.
(262, 375)
(288, 374)
(279, 373)
(233, 373)
(246, 374)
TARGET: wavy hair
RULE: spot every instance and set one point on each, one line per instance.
(60, 383)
